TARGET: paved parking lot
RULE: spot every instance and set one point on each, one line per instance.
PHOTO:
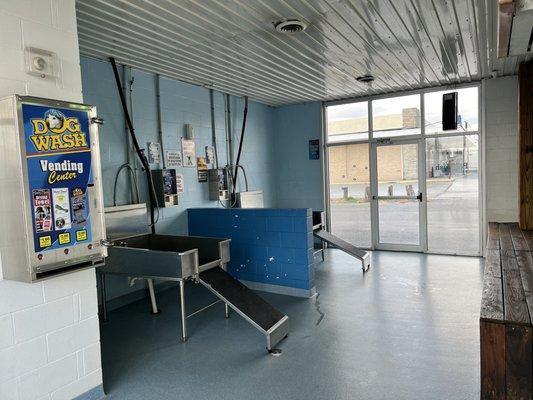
(452, 209)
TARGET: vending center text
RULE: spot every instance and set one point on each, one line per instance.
(64, 166)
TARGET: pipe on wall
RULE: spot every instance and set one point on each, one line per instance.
(159, 118)
(237, 164)
(140, 152)
(229, 136)
(127, 89)
(213, 126)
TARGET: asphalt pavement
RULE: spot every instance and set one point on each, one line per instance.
(452, 210)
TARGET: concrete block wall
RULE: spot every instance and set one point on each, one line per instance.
(501, 148)
(49, 25)
(181, 104)
(49, 338)
(299, 180)
(49, 333)
(271, 248)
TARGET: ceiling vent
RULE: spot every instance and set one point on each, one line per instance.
(291, 26)
(365, 79)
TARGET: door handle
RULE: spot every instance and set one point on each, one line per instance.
(419, 197)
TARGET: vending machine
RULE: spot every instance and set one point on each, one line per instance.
(51, 206)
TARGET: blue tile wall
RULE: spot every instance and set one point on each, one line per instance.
(181, 104)
(272, 246)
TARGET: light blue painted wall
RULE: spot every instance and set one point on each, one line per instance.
(275, 153)
(181, 104)
(98, 89)
(299, 180)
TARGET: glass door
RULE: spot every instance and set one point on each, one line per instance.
(349, 193)
(398, 200)
(396, 180)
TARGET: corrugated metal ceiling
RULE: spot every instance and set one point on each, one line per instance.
(232, 46)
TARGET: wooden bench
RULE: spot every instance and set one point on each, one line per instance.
(506, 312)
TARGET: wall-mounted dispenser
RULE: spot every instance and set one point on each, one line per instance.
(218, 184)
(51, 204)
(166, 188)
(250, 199)
(189, 132)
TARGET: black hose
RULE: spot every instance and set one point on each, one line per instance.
(140, 152)
(240, 144)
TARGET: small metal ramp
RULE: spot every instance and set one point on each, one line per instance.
(268, 320)
(344, 246)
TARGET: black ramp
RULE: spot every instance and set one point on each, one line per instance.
(344, 246)
(251, 306)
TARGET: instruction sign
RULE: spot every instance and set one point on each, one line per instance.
(202, 169)
(154, 153)
(189, 153)
(58, 158)
(314, 149)
(173, 158)
(179, 183)
(210, 157)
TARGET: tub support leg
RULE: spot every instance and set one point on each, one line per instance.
(152, 296)
(183, 316)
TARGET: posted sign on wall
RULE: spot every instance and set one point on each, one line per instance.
(58, 157)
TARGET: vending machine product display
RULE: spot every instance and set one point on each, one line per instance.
(51, 204)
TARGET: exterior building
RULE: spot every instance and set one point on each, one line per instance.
(457, 155)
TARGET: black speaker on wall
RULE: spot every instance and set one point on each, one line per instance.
(449, 111)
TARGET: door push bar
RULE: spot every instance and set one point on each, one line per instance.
(419, 197)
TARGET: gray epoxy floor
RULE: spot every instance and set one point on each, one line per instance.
(407, 329)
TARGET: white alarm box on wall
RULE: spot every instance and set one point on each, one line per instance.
(51, 206)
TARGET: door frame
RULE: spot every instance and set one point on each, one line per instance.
(374, 202)
(325, 145)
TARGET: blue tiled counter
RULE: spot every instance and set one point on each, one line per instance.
(271, 249)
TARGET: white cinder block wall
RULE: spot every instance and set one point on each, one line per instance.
(501, 148)
(49, 333)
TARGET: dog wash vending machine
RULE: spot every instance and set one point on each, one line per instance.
(51, 207)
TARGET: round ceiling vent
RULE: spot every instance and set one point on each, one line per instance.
(291, 26)
(365, 79)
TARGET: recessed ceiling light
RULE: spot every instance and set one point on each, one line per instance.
(290, 26)
(365, 78)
